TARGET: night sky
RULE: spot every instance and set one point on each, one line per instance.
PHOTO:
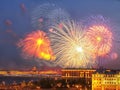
(15, 22)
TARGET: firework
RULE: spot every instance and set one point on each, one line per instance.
(57, 16)
(47, 15)
(101, 38)
(114, 56)
(36, 44)
(70, 46)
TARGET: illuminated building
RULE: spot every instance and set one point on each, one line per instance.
(106, 80)
(78, 78)
(77, 73)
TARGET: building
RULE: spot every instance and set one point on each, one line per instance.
(106, 80)
(78, 78)
(77, 73)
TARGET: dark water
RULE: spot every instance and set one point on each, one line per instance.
(10, 79)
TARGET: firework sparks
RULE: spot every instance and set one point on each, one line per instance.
(70, 46)
(47, 15)
(36, 44)
(101, 38)
(100, 33)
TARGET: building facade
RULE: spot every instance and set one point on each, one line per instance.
(106, 81)
(79, 78)
(77, 73)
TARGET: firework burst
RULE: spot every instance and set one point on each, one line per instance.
(47, 15)
(36, 45)
(100, 34)
(70, 46)
(101, 38)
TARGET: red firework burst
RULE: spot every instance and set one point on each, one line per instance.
(36, 44)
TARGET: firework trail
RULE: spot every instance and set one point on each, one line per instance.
(71, 48)
(36, 45)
